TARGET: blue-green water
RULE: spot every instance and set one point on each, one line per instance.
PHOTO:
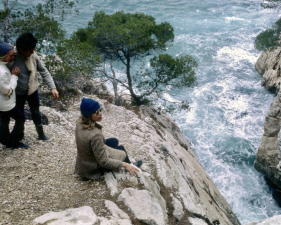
(225, 124)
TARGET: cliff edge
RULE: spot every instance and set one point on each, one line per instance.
(268, 66)
(268, 159)
(38, 185)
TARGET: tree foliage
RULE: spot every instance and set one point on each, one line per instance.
(271, 4)
(41, 19)
(130, 40)
(64, 59)
(269, 38)
(72, 62)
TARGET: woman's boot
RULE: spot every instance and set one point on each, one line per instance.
(41, 135)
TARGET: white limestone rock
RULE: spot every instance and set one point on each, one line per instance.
(78, 216)
(104, 221)
(269, 155)
(118, 215)
(268, 65)
(115, 211)
(144, 206)
(111, 183)
(178, 209)
(197, 221)
(84, 216)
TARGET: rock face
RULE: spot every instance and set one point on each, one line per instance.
(83, 215)
(268, 65)
(269, 152)
(173, 187)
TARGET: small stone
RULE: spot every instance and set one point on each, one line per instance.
(9, 210)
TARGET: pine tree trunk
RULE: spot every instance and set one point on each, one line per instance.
(115, 88)
(130, 84)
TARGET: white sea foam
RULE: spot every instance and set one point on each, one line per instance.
(233, 18)
(234, 55)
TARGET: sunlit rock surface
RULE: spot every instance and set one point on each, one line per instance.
(268, 65)
(173, 186)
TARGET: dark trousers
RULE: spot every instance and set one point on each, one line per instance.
(33, 102)
(5, 137)
(113, 143)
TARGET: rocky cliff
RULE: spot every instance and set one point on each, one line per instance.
(268, 160)
(268, 65)
(173, 187)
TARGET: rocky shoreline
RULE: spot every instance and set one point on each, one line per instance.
(268, 160)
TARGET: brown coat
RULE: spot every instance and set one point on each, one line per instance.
(92, 151)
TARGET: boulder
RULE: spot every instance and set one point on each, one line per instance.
(83, 215)
(268, 65)
(144, 206)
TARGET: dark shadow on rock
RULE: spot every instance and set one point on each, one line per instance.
(274, 190)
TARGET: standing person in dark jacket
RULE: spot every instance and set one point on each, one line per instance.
(27, 88)
(94, 153)
(8, 108)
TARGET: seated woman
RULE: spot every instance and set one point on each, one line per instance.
(8, 108)
(94, 153)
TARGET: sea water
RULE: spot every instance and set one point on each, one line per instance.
(228, 106)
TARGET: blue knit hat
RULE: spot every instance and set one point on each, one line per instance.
(5, 48)
(88, 107)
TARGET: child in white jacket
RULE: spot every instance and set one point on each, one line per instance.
(8, 108)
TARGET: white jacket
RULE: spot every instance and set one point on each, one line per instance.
(8, 83)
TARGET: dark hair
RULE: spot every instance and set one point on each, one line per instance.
(26, 41)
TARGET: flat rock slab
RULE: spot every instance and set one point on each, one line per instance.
(79, 216)
(144, 206)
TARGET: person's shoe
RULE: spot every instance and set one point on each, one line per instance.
(41, 135)
(84, 179)
(138, 163)
(20, 145)
(44, 138)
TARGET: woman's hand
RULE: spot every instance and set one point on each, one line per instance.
(16, 71)
(131, 169)
(55, 93)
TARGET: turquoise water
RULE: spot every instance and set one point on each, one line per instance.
(225, 123)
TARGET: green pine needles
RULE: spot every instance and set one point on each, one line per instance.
(126, 49)
(269, 38)
(128, 42)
